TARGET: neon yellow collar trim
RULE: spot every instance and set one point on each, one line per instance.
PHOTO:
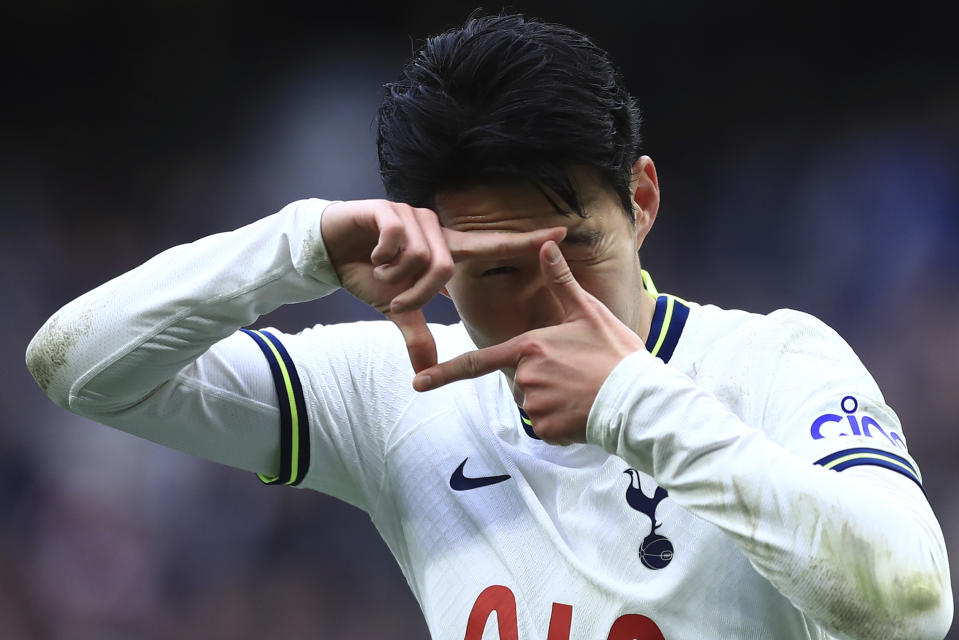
(648, 283)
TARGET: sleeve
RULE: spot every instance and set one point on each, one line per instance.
(294, 425)
(841, 423)
(343, 389)
(156, 351)
(860, 552)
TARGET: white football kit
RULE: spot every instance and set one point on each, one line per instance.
(744, 477)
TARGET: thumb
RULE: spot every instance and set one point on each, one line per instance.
(560, 279)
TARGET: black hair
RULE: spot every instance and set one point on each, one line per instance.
(507, 98)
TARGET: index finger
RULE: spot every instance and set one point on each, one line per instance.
(498, 245)
(419, 340)
(471, 364)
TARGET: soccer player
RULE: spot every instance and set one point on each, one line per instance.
(582, 455)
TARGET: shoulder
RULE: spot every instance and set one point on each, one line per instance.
(377, 336)
(746, 357)
(367, 350)
(769, 337)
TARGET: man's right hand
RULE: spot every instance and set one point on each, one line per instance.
(396, 258)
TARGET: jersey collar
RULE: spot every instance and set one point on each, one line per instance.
(527, 424)
(668, 322)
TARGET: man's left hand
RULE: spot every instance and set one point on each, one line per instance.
(559, 369)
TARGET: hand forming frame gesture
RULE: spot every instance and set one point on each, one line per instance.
(396, 258)
(559, 369)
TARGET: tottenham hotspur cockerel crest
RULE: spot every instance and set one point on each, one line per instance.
(656, 551)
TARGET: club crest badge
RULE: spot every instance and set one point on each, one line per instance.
(655, 551)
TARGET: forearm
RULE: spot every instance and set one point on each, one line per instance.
(863, 561)
(114, 345)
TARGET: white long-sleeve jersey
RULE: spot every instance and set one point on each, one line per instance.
(744, 477)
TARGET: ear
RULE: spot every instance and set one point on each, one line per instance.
(645, 189)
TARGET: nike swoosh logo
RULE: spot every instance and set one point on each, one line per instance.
(459, 482)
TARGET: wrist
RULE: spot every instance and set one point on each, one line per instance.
(608, 411)
(311, 257)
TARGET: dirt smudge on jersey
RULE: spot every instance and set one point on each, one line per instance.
(748, 498)
(859, 594)
(47, 353)
(852, 581)
(311, 250)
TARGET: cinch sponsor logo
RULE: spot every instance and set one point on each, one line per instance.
(830, 425)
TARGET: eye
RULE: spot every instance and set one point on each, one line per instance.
(497, 271)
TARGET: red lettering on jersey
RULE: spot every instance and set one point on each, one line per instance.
(634, 627)
(501, 600)
(560, 620)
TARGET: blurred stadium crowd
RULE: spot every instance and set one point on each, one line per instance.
(808, 158)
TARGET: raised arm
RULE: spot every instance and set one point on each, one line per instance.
(860, 552)
(156, 352)
(141, 351)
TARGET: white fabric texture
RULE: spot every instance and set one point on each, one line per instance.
(765, 544)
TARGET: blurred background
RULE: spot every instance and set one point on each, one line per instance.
(808, 157)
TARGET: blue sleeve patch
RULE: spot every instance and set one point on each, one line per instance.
(846, 458)
(294, 420)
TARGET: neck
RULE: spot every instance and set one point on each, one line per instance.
(647, 307)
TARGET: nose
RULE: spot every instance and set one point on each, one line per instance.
(546, 310)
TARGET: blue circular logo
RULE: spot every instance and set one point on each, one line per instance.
(855, 404)
(656, 551)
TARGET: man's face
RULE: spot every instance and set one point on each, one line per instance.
(498, 300)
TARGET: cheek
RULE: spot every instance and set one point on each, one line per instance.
(617, 289)
(491, 314)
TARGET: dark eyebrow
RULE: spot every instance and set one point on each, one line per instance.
(583, 237)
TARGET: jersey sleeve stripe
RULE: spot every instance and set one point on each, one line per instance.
(846, 458)
(886, 454)
(285, 417)
(294, 423)
(300, 462)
